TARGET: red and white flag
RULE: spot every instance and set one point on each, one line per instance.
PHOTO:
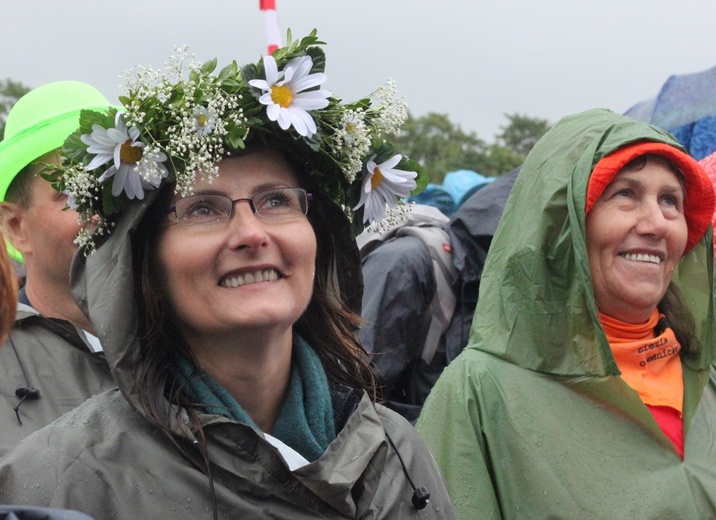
(273, 37)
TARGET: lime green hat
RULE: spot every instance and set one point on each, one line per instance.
(40, 122)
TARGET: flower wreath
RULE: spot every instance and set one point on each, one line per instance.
(169, 128)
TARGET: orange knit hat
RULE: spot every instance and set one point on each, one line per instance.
(699, 207)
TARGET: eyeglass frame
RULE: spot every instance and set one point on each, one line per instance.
(308, 196)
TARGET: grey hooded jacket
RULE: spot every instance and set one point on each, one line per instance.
(105, 459)
(50, 364)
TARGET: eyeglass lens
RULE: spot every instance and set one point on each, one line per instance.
(274, 204)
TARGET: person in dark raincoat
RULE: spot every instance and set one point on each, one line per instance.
(398, 300)
(587, 388)
(221, 288)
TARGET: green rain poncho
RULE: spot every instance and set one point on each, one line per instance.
(533, 420)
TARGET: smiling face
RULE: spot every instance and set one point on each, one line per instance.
(245, 274)
(636, 234)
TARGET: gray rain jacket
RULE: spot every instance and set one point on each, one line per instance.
(49, 362)
(105, 459)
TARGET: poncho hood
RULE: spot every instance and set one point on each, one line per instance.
(103, 287)
(536, 307)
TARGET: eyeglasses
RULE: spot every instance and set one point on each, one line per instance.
(276, 204)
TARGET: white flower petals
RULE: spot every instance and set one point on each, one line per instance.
(292, 110)
(109, 145)
(382, 186)
(204, 121)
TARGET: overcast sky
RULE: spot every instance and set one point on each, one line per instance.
(473, 60)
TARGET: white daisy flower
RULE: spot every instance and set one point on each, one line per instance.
(122, 146)
(284, 96)
(383, 185)
(204, 121)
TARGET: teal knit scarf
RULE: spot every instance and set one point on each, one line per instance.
(305, 422)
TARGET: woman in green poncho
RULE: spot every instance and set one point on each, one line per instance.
(584, 391)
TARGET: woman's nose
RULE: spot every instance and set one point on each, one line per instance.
(245, 229)
(652, 220)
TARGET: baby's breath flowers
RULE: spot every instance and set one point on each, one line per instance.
(178, 122)
(352, 141)
(150, 168)
(392, 111)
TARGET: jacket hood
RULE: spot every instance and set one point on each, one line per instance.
(103, 283)
(537, 307)
(472, 226)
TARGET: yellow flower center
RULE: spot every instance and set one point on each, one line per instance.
(376, 179)
(350, 128)
(202, 119)
(281, 95)
(128, 153)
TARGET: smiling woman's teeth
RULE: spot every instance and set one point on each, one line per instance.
(642, 257)
(267, 275)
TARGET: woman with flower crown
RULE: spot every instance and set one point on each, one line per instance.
(219, 270)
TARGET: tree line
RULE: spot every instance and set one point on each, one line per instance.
(441, 146)
(10, 92)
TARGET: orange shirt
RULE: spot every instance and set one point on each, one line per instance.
(651, 365)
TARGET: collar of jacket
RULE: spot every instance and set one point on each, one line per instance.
(26, 317)
(328, 483)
